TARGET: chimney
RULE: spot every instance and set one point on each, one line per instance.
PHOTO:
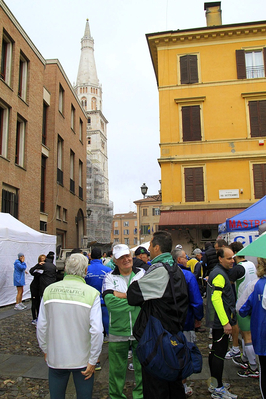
(213, 13)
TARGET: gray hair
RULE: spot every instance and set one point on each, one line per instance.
(176, 253)
(77, 265)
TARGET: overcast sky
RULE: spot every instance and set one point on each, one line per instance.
(130, 96)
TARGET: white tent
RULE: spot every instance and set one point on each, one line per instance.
(17, 237)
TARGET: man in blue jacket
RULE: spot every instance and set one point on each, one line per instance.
(95, 275)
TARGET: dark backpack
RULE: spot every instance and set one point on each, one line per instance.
(165, 355)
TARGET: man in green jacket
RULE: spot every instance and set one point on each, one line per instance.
(122, 318)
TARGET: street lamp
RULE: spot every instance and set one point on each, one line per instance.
(144, 189)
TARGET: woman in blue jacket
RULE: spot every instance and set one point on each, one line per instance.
(255, 305)
(19, 280)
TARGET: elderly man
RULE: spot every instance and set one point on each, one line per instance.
(70, 331)
(221, 316)
(153, 292)
(122, 317)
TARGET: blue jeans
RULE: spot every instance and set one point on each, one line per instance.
(58, 379)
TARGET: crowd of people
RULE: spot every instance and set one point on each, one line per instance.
(110, 297)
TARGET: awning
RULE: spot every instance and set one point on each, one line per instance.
(196, 217)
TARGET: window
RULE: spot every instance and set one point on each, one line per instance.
(127, 241)
(126, 224)
(72, 162)
(194, 188)
(259, 176)
(89, 140)
(89, 120)
(4, 120)
(189, 69)
(93, 104)
(73, 111)
(116, 224)
(135, 241)
(116, 232)
(58, 212)
(20, 142)
(80, 130)
(116, 240)
(6, 58)
(80, 179)
(191, 125)
(43, 176)
(135, 223)
(145, 212)
(64, 214)
(155, 211)
(60, 160)
(61, 99)
(84, 102)
(23, 77)
(251, 64)
(44, 123)
(126, 232)
(145, 229)
(10, 201)
(257, 117)
(43, 225)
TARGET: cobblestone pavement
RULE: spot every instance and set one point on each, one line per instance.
(18, 337)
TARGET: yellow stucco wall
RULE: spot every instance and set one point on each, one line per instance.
(226, 152)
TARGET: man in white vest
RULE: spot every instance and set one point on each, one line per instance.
(70, 331)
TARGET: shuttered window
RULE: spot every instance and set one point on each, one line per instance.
(257, 116)
(189, 69)
(191, 123)
(259, 176)
(194, 188)
(251, 64)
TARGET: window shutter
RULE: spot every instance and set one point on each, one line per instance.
(193, 69)
(241, 64)
(191, 123)
(257, 116)
(194, 190)
(184, 69)
(189, 69)
(259, 176)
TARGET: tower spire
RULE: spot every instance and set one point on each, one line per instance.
(87, 72)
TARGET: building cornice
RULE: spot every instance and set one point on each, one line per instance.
(213, 157)
(209, 33)
(206, 206)
(98, 112)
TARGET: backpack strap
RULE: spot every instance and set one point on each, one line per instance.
(171, 278)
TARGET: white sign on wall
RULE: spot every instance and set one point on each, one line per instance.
(224, 194)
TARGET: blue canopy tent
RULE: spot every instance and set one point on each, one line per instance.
(248, 220)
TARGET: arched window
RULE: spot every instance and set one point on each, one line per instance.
(93, 104)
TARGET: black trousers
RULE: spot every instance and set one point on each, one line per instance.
(217, 355)
(153, 388)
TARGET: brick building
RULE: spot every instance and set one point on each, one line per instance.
(41, 139)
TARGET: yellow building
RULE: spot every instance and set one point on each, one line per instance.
(148, 211)
(125, 229)
(212, 99)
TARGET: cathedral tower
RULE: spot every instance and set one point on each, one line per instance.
(89, 91)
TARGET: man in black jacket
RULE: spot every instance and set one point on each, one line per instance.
(49, 273)
(153, 293)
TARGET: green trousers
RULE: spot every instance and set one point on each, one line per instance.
(118, 361)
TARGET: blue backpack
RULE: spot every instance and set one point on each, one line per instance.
(164, 355)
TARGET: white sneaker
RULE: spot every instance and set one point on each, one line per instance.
(23, 306)
(230, 354)
(18, 307)
(212, 387)
(129, 356)
(223, 394)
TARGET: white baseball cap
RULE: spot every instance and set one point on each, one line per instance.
(120, 250)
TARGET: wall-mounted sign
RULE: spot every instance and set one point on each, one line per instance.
(225, 194)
